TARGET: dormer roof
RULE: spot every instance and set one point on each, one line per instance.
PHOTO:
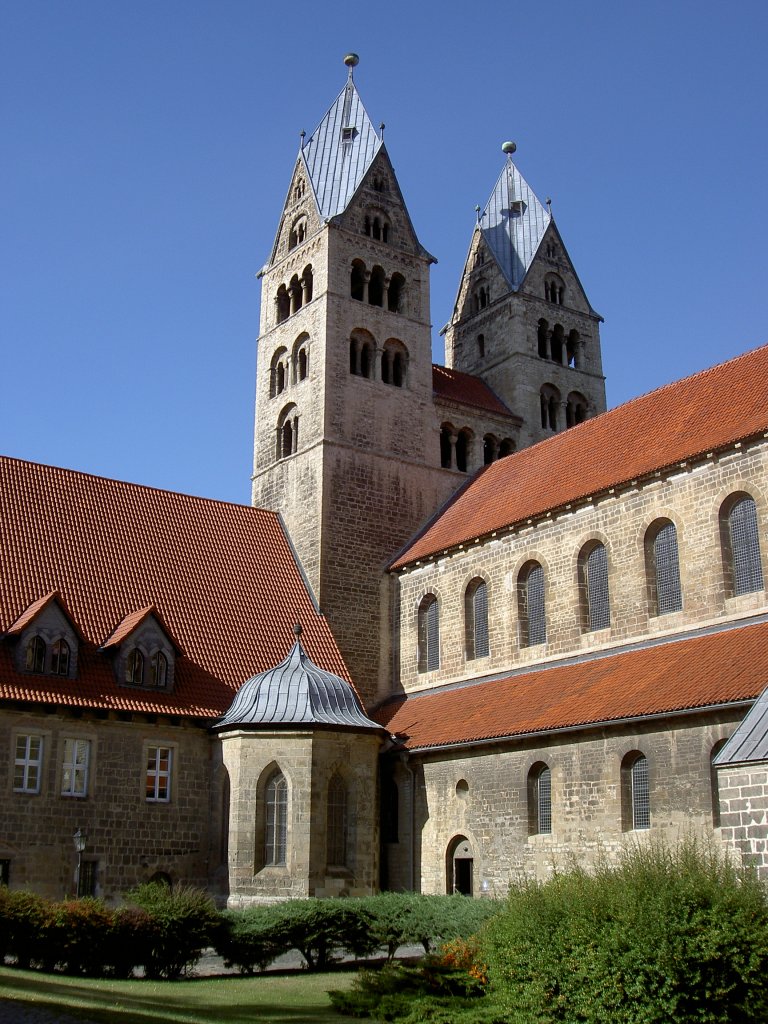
(296, 693)
(513, 224)
(131, 622)
(32, 611)
(340, 151)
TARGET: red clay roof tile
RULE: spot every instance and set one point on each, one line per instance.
(717, 668)
(688, 418)
(221, 577)
(455, 386)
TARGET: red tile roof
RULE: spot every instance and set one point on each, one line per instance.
(455, 386)
(691, 417)
(221, 578)
(131, 622)
(718, 668)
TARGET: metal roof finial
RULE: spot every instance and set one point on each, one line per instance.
(549, 204)
(302, 136)
(477, 213)
(382, 126)
(351, 60)
(297, 630)
(509, 148)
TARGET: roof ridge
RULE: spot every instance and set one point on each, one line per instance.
(131, 484)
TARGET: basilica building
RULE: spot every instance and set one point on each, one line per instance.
(473, 626)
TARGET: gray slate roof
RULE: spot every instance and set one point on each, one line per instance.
(750, 741)
(337, 160)
(296, 692)
(513, 224)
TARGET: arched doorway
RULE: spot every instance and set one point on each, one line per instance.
(459, 866)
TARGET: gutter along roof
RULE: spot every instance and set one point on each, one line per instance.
(684, 420)
(706, 671)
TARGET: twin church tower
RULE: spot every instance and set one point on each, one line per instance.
(359, 438)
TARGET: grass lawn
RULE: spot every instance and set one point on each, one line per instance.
(268, 999)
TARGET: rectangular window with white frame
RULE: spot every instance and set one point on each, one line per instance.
(74, 775)
(28, 765)
(158, 779)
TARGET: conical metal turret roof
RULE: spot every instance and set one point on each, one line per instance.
(340, 151)
(513, 224)
(298, 693)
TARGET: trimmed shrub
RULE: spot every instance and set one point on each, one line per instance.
(406, 918)
(323, 928)
(251, 939)
(133, 932)
(184, 922)
(669, 935)
(75, 936)
(27, 918)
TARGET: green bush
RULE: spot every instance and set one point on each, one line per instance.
(133, 932)
(668, 935)
(322, 928)
(251, 939)
(26, 919)
(184, 922)
(75, 936)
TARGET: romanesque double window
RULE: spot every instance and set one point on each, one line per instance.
(291, 297)
(376, 288)
(554, 289)
(364, 354)
(142, 671)
(287, 434)
(376, 226)
(456, 447)
(555, 345)
(428, 634)
(286, 369)
(496, 448)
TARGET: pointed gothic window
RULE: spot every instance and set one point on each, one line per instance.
(530, 605)
(159, 669)
(476, 619)
(134, 667)
(337, 824)
(428, 634)
(276, 823)
(740, 543)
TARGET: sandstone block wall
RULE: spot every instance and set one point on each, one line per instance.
(743, 791)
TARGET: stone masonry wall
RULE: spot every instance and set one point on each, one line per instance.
(691, 497)
(743, 791)
(482, 795)
(130, 838)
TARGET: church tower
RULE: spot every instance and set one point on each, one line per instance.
(346, 442)
(522, 321)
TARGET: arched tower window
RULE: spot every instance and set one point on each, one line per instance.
(542, 339)
(36, 652)
(506, 447)
(490, 449)
(361, 354)
(287, 432)
(540, 799)
(530, 605)
(296, 294)
(740, 542)
(300, 358)
(572, 348)
(635, 792)
(557, 343)
(376, 287)
(463, 448)
(307, 284)
(336, 824)
(357, 280)
(554, 289)
(663, 568)
(396, 293)
(298, 232)
(550, 403)
(393, 363)
(276, 820)
(575, 409)
(282, 304)
(476, 619)
(593, 585)
(428, 634)
(60, 658)
(278, 376)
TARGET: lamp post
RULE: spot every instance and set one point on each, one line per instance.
(79, 840)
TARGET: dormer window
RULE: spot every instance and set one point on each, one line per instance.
(159, 669)
(134, 667)
(348, 134)
(36, 652)
(60, 658)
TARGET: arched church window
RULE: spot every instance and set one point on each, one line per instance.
(278, 376)
(357, 280)
(506, 447)
(476, 619)
(593, 586)
(557, 343)
(337, 830)
(361, 354)
(530, 605)
(282, 304)
(300, 358)
(740, 542)
(481, 345)
(540, 799)
(307, 284)
(428, 634)
(663, 567)
(296, 293)
(575, 409)
(550, 403)
(376, 287)
(287, 440)
(394, 359)
(276, 820)
(395, 293)
(463, 449)
(635, 792)
(159, 669)
(572, 348)
(490, 449)
(298, 232)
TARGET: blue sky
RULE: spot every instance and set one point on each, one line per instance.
(148, 146)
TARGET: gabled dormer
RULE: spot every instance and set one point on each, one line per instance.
(143, 650)
(46, 639)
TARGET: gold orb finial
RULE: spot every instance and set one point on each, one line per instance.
(508, 148)
(351, 60)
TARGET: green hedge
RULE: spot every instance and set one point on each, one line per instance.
(669, 935)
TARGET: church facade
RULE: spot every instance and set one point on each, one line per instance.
(531, 629)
